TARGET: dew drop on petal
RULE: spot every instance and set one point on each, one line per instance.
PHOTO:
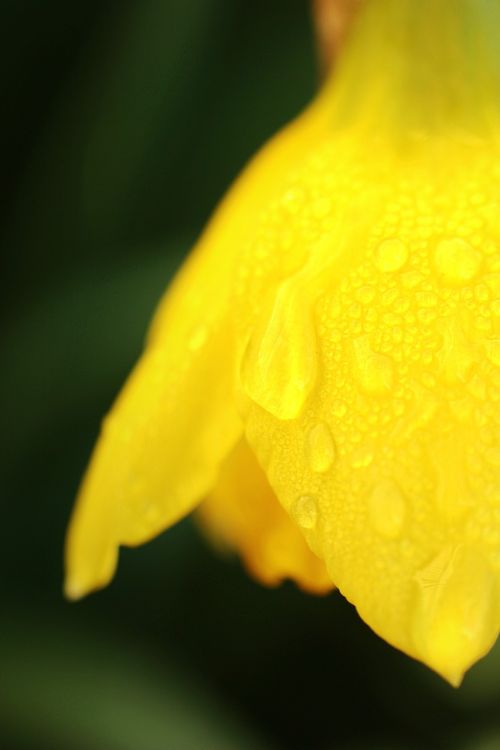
(339, 409)
(305, 511)
(320, 448)
(362, 457)
(391, 255)
(279, 366)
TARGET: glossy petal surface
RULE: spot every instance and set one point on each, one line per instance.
(396, 441)
(243, 513)
(162, 443)
(176, 419)
(345, 306)
(384, 342)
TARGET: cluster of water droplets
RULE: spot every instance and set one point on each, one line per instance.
(393, 417)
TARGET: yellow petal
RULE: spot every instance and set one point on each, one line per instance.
(242, 512)
(383, 342)
(347, 298)
(161, 445)
(176, 419)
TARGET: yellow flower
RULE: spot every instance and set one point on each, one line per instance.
(323, 375)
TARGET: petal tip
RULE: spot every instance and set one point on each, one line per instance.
(88, 571)
(77, 587)
(457, 620)
(73, 591)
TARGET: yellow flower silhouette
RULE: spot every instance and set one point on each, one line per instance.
(323, 375)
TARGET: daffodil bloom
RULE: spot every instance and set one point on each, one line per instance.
(322, 379)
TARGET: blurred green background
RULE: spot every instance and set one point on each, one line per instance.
(123, 123)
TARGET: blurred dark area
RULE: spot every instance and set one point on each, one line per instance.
(123, 124)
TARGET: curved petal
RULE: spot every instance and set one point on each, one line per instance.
(372, 383)
(243, 513)
(176, 419)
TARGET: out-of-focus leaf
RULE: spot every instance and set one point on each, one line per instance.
(65, 690)
(119, 119)
(77, 343)
(484, 741)
(140, 102)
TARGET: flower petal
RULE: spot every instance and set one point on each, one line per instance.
(176, 418)
(162, 443)
(394, 439)
(243, 513)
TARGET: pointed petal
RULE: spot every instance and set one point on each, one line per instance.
(243, 513)
(162, 443)
(372, 386)
(176, 419)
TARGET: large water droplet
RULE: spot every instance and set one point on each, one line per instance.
(320, 448)
(279, 366)
(456, 261)
(391, 255)
(387, 508)
(305, 511)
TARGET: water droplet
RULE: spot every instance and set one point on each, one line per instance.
(457, 262)
(339, 409)
(391, 255)
(362, 457)
(375, 371)
(305, 511)
(279, 366)
(320, 448)
(197, 338)
(387, 508)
